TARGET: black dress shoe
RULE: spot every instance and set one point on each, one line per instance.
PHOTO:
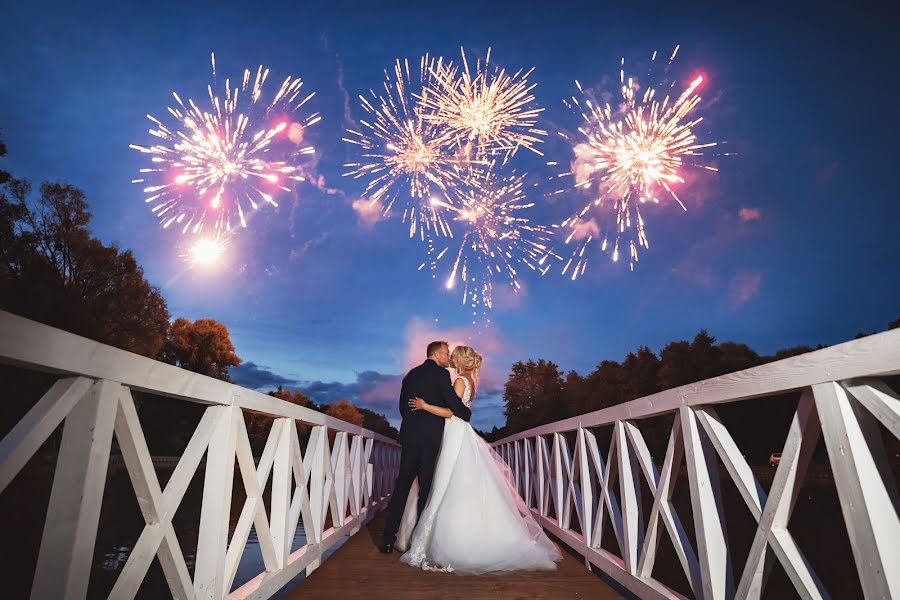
(386, 548)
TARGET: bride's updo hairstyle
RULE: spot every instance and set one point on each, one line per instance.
(466, 360)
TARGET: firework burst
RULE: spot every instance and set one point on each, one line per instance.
(495, 240)
(405, 156)
(488, 111)
(214, 167)
(626, 156)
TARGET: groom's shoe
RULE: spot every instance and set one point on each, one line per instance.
(386, 547)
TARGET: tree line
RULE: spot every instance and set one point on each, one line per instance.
(538, 392)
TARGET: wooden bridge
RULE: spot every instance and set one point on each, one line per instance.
(591, 481)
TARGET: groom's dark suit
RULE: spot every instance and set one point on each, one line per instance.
(420, 437)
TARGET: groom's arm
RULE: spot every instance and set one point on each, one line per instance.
(452, 400)
(404, 400)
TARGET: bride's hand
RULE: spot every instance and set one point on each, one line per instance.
(417, 404)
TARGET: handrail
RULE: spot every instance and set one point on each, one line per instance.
(344, 475)
(876, 355)
(842, 398)
(40, 347)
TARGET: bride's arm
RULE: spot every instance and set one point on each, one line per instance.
(419, 404)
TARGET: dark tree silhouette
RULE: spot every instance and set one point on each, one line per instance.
(52, 270)
(533, 394)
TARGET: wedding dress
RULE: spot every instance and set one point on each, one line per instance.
(475, 522)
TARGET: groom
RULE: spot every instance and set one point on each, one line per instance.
(420, 433)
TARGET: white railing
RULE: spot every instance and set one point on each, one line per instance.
(344, 482)
(841, 397)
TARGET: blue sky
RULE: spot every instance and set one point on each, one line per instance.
(794, 241)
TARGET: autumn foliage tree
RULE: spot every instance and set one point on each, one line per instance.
(345, 411)
(203, 346)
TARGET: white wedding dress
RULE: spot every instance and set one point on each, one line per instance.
(474, 521)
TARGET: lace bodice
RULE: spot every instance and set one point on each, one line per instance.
(467, 394)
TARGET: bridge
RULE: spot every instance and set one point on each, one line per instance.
(307, 503)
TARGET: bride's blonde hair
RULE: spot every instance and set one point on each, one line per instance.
(466, 360)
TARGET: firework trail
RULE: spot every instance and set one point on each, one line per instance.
(406, 157)
(626, 156)
(487, 111)
(495, 239)
(214, 167)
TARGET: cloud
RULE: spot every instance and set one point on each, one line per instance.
(583, 167)
(252, 376)
(371, 390)
(743, 287)
(367, 213)
(749, 214)
(318, 182)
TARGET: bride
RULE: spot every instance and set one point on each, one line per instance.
(474, 521)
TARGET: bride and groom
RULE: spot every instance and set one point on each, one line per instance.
(454, 507)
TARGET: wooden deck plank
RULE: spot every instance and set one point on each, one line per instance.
(358, 570)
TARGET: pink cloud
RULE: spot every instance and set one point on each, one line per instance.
(367, 212)
(749, 214)
(487, 343)
(743, 287)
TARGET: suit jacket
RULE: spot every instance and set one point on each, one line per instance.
(430, 382)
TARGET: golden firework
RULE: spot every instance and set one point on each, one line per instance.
(405, 157)
(628, 155)
(219, 164)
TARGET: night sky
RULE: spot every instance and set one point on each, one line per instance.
(794, 241)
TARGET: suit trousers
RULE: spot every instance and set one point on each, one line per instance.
(415, 461)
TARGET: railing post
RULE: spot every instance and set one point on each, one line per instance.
(708, 510)
(630, 494)
(282, 479)
(866, 488)
(67, 545)
(209, 572)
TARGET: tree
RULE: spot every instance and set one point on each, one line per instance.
(789, 352)
(345, 411)
(533, 395)
(52, 270)
(203, 346)
(640, 373)
(736, 357)
(605, 385)
(682, 362)
(294, 397)
(576, 395)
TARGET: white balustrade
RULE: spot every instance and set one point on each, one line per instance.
(842, 398)
(342, 483)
